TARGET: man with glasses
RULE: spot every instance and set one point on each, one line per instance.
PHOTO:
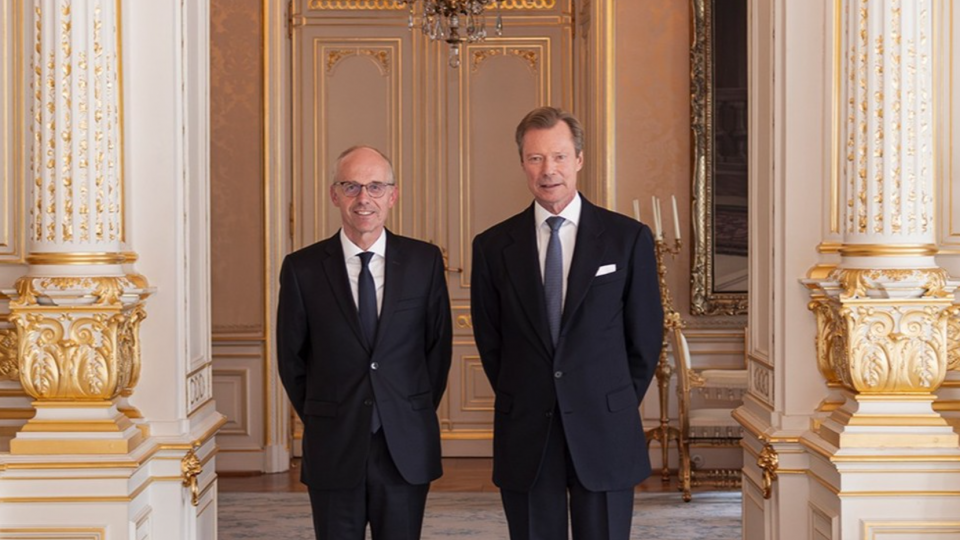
(364, 344)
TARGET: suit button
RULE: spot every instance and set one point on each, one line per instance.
(374, 366)
(368, 402)
(558, 374)
(548, 414)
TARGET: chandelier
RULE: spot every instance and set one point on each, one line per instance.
(455, 21)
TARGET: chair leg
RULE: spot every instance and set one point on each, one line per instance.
(684, 473)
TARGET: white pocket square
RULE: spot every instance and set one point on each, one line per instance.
(606, 269)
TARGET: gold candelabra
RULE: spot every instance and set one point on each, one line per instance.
(664, 432)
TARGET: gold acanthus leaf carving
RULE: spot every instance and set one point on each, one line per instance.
(953, 339)
(381, 57)
(479, 55)
(9, 369)
(531, 56)
(68, 357)
(334, 57)
(894, 349)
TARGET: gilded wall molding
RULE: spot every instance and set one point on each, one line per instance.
(393, 5)
(480, 54)
(381, 57)
(321, 5)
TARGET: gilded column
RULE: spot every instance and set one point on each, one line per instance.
(77, 312)
(882, 314)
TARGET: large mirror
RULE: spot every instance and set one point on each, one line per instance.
(718, 63)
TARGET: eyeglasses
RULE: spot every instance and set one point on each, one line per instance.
(374, 189)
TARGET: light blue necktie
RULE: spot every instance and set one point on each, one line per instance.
(553, 277)
(367, 308)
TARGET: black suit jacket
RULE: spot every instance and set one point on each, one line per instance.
(333, 378)
(610, 338)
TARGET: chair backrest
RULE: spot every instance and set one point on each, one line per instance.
(682, 364)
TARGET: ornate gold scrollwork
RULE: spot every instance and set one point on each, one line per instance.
(77, 338)
(190, 470)
(66, 356)
(769, 462)
(9, 369)
(953, 339)
(866, 282)
(885, 344)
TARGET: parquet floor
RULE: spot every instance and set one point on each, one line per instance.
(459, 475)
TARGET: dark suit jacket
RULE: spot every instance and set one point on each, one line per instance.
(333, 379)
(610, 339)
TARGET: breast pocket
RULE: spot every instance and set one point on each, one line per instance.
(613, 277)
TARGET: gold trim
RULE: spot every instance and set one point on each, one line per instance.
(829, 247)
(888, 250)
(835, 128)
(396, 5)
(466, 435)
(610, 103)
(131, 464)
(100, 534)
(81, 258)
(17, 414)
(268, 394)
(121, 177)
(703, 299)
(821, 271)
(190, 470)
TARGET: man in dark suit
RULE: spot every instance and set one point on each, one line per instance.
(364, 344)
(567, 317)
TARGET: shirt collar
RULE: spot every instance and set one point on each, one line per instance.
(352, 250)
(571, 213)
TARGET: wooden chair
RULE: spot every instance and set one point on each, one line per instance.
(712, 426)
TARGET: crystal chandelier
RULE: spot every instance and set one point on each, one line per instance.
(455, 21)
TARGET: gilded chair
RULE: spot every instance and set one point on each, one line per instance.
(703, 425)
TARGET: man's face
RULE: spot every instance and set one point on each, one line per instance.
(363, 216)
(551, 163)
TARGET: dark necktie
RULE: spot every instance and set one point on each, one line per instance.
(367, 307)
(553, 277)
(367, 299)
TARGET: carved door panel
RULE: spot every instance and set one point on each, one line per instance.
(360, 76)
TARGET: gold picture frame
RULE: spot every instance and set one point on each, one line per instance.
(706, 297)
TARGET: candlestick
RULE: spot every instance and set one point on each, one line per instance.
(656, 217)
(636, 209)
(676, 218)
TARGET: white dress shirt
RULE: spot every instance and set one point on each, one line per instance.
(568, 235)
(377, 265)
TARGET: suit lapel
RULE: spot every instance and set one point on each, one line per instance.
(335, 269)
(523, 264)
(393, 279)
(587, 254)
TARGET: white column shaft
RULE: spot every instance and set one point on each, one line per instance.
(887, 125)
(76, 202)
